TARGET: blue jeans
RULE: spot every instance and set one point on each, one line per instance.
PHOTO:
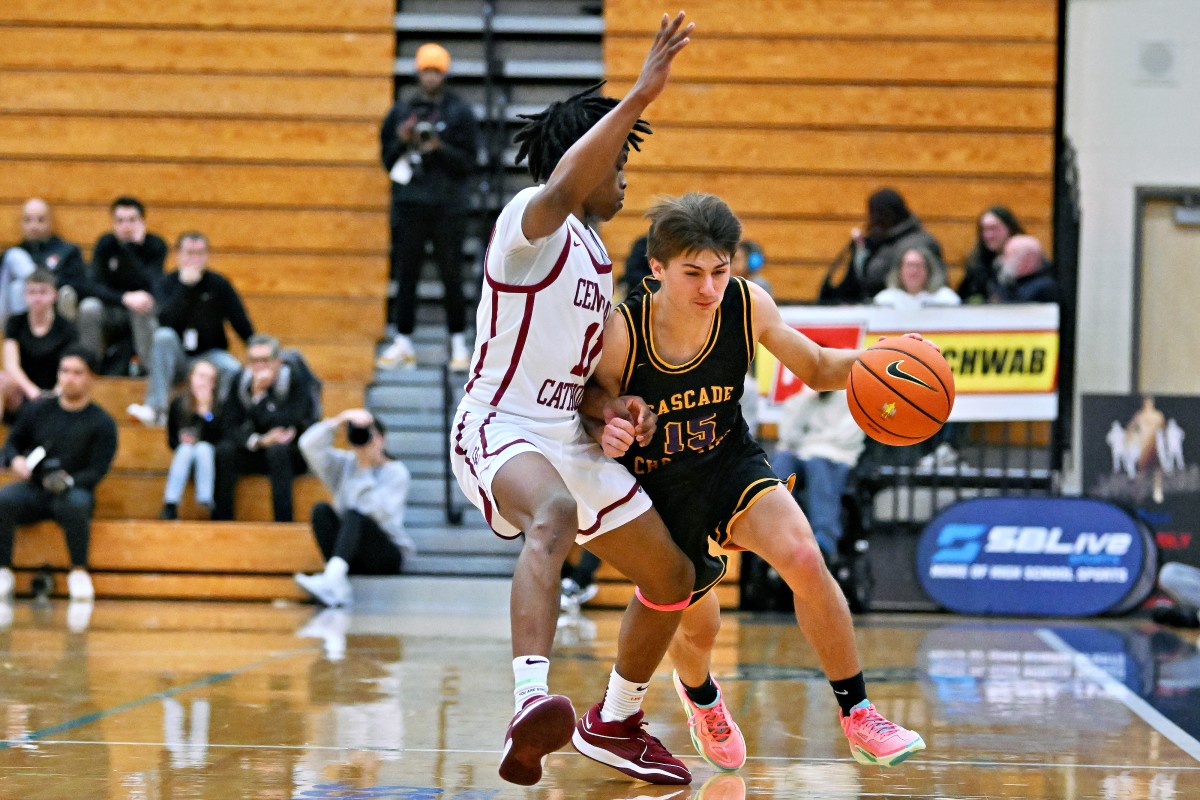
(824, 483)
(169, 364)
(202, 455)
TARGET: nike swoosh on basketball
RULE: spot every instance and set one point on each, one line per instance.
(894, 370)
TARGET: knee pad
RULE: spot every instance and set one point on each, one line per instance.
(680, 606)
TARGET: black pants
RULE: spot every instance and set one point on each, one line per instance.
(412, 226)
(281, 463)
(357, 539)
(24, 503)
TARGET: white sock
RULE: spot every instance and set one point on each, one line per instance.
(623, 698)
(458, 341)
(531, 676)
(337, 567)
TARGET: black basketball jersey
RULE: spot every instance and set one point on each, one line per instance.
(698, 403)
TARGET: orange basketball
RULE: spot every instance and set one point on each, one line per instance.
(900, 390)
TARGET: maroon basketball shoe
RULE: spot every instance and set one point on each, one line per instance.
(543, 725)
(625, 746)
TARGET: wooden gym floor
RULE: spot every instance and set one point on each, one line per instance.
(145, 700)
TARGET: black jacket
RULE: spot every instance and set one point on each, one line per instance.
(61, 257)
(204, 308)
(441, 177)
(287, 404)
(119, 267)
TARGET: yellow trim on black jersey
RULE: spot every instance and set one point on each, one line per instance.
(631, 354)
(675, 369)
(750, 496)
(747, 315)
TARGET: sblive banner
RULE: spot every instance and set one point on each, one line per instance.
(1004, 357)
(1037, 556)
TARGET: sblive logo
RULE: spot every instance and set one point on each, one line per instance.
(961, 543)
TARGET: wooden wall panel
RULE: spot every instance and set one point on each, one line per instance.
(353, 15)
(203, 96)
(797, 105)
(160, 184)
(796, 111)
(222, 51)
(190, 139)
(765, 58)
(870, 20)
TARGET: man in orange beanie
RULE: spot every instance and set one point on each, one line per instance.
(429, 143)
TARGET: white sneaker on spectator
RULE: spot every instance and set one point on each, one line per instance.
(146, 415)
(79, 585)
(8, 584)
(460, 356)
(330, 590)
(400, 353)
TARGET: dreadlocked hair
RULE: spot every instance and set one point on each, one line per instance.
(546, 136)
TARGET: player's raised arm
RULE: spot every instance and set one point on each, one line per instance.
(822, 368)
(593, 158)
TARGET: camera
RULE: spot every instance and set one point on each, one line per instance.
(424, 131)
(358, 435)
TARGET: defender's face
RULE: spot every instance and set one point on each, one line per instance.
(606, 199)
(694, 281)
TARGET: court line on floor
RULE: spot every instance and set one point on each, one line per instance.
(1149, 714)
(86, 719)
(686, 757)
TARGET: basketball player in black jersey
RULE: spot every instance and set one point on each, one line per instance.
(685, 349)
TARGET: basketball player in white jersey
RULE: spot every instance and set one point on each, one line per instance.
(518, 447)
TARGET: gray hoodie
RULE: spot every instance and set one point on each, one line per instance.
(380, 493)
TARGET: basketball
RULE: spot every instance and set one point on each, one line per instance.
(900, 390)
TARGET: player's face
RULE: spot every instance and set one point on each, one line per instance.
(694, 281)
(606, 199)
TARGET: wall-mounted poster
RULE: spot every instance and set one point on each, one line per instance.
(1143, 452)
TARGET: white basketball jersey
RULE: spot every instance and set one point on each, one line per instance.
(541, 317)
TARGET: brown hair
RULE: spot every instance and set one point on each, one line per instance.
(691, 223)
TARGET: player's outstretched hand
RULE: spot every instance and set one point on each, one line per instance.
(671, 38)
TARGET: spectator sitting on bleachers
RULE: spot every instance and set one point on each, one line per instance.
(194, 303)
(637, 268)
(1025, 274)
(891, 230)
(127, 264)
(60, 447)
(748, 261)
(34, 341)
(40, 248)
(1181, 582)
(362, 532)
(819, 437)
(917, 280)
(269, 405)
(193, 433)
(994, 228)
